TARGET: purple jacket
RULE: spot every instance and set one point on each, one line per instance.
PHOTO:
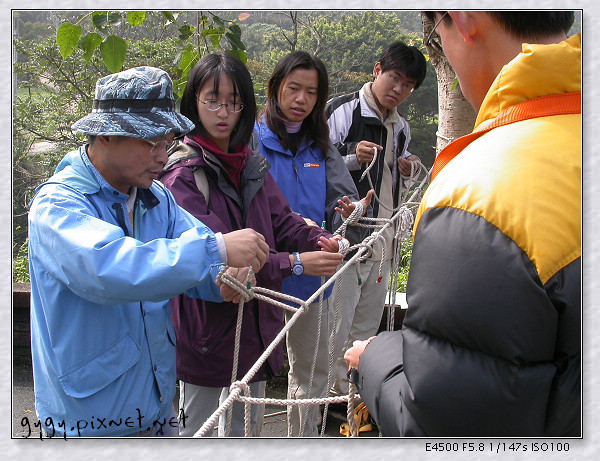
(206, 330)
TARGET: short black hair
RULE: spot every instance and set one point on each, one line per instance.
(527, 24)
(314, 126)
(212, 66)
(407, 59)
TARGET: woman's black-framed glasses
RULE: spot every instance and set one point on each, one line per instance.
(214, 105)
(433, 39)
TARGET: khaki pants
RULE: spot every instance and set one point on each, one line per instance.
(301, 342)
(198, 403)
(360, 312)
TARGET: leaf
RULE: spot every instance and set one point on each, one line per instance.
(215, 39)
(169, 16)
(243, 16)
(136, 18)
(101, 19)
(188, 59)
(88, 44)
(67, 38)
(113, 50)
(185, 32)
(218, 21)
(235, 41)
(454, 84)
(179, 88)
(240, 54)
(235, 29)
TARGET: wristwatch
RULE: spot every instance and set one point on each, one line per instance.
(298, 268)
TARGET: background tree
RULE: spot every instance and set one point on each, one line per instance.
(456, 117)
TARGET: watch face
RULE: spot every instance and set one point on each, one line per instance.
(298, 270)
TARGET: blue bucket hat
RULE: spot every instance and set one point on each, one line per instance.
(137, 103)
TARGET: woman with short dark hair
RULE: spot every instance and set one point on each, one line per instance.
(216, 177)
(293, 135)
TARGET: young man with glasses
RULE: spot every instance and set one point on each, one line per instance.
(491, 342)
(361, 125)
(102, 341)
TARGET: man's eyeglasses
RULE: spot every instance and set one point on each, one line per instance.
(404, 85)
(213, 106)
(433, 39)
(160, 147)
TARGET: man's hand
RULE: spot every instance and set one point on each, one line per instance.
(320, 263)
(405, 164)
(365, 152)
(346, 207)
(246, 247)
(241, 274)
(352, 355)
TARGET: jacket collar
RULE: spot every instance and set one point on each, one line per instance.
(77, 171)
(539, 70)
(271, 140)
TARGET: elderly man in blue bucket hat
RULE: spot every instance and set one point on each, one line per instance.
(108, 247)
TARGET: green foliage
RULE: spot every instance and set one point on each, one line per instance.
(404, 267)
(107, 35)
(21, 264)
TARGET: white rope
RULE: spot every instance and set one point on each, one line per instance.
(401, 215)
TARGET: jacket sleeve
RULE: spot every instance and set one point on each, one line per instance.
(339, 122)
(291, 231)
(339, 184)
(99, 263)
(381, 378)
(478, 339)
(181, 183)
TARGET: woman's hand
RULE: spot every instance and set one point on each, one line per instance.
(319, 263)
(331, 244)
(310, 222)
(346, 206)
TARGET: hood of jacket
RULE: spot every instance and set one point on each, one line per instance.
(73, 170)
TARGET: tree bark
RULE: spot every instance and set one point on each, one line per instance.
(456, 117)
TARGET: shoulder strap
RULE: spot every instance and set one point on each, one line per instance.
(180, 152)
(202, 183)
(556, 104)
(183, 152)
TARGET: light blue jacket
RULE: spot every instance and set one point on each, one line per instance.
(102, 341)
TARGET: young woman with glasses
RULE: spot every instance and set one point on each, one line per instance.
(234, 192)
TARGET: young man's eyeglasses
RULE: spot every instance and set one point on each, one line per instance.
(404, 85)
(433, 39)
(213, 106)
(160, 147)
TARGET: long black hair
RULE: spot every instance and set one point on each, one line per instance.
(315, 125)
(212, 66)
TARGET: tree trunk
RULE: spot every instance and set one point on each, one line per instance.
(456, 117)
